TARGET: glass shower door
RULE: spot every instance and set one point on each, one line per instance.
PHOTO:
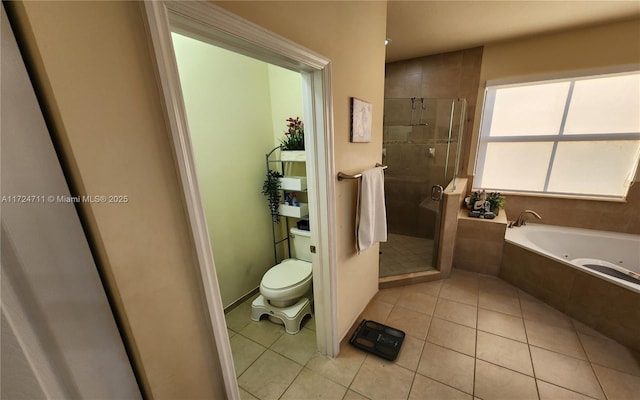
(421, 147)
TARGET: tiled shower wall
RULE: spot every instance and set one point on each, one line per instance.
(457, 74)
(448, 75)
(413, 170)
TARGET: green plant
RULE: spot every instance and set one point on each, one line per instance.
(271, 189)
(294, 135)
(496, 200)
(473, 197)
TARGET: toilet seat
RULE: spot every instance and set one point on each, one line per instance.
(287, 274)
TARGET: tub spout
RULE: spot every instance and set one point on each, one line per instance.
(522, 218)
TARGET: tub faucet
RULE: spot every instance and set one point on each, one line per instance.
(521, 218)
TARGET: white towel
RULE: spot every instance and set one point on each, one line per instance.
(371, 215)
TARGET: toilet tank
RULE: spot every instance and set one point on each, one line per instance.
(301, 241)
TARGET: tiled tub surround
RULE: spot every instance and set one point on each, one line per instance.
(609, 305)
(479, 243)
(568, 244)
(610, 216)
(469, 337)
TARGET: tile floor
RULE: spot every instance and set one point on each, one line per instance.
(402, 254)
(468, 337)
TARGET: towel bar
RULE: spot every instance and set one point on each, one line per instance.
(342, 176)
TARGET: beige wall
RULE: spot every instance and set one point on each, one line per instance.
(352, 35)
(596, 47)
(96, 77)
(48, 275)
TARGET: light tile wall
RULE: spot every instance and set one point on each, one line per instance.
(414, 172)
(479, 243)
(609, 308)
(448, 75)
(588, 214)
(453, 199)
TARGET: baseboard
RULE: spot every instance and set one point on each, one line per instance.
(241, 300)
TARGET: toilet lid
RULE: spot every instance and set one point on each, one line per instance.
(287, 273)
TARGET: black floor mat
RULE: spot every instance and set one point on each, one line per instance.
(376, 338)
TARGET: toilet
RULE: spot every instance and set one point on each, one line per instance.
(284, 286)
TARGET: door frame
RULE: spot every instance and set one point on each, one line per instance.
(210, 23)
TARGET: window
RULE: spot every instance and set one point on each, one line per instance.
(570, 137)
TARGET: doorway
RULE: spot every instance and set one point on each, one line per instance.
(422, 140)
(237, 109)
(217, 26)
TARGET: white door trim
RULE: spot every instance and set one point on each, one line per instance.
(218, 26)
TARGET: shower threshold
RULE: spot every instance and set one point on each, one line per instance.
(409, 278)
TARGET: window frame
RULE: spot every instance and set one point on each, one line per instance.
(572, 77)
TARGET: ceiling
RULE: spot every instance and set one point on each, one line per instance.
(421, 28)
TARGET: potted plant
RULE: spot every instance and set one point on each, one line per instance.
(496, 202)
(495, 199)
(271, 189)
(292, 145)
(471, 199)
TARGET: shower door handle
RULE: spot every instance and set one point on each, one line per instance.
(436, 192)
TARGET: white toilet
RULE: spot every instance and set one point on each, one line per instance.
(284, 286)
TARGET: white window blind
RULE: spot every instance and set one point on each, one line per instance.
(575, 136)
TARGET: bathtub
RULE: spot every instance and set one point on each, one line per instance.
(548, 263)
(614, 257)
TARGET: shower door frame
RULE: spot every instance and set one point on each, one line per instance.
(215, 25)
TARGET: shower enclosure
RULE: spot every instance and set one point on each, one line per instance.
(421, 147)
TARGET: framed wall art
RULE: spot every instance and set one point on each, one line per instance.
(360, 121)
